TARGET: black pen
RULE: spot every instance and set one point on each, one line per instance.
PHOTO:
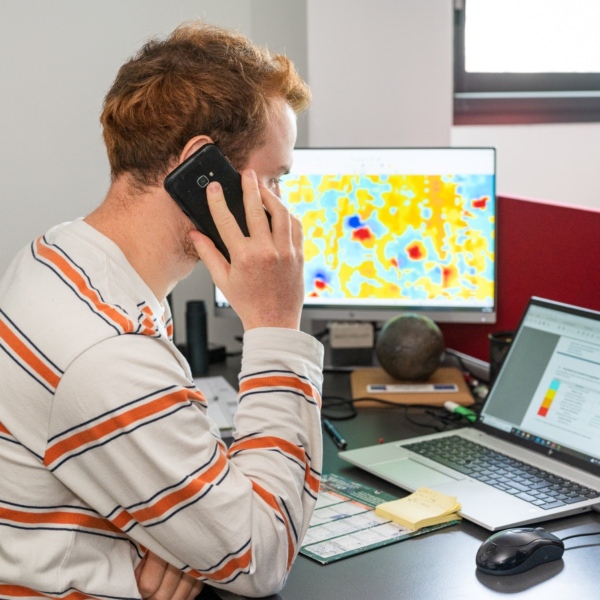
(338, 440)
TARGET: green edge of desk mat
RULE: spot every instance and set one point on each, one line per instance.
(345, 524)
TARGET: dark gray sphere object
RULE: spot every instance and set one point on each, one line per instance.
(410, 347)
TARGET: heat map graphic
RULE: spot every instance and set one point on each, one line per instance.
(419, 238)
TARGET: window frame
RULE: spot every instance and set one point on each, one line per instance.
(507, 98)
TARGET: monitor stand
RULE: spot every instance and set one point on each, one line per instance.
(349, 345)
(348, 359)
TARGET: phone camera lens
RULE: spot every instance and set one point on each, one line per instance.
(203, 181)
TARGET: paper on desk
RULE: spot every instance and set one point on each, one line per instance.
(221, 398)
(420, 509)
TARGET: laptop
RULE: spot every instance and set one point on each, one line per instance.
(539, 427)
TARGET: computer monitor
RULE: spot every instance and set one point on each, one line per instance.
(395, 230)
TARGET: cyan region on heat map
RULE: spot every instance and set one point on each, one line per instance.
(422, 238)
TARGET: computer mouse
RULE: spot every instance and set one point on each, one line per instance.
(518, 549)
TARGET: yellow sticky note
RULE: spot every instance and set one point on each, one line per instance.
(420, 509)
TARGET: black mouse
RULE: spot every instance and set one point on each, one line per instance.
(518, 549)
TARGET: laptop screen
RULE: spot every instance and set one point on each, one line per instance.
(547, 394)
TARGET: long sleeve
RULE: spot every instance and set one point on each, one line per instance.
(130, 437)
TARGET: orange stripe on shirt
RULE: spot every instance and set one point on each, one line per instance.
(268, 443)
(232, 566)
(71, 274)
(147, 321)
(268, 497)
(312, 481)
(117, 423)
(251, 384)
(182, 495)
(27, 355)
(122, 520)
(271, 500)
(56, 517)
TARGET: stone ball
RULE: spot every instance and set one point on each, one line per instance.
(410, 347)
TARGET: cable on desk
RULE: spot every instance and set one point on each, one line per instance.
(479, 389)
(338, 408)
(576, 535)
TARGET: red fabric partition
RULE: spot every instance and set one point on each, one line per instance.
(543, 249)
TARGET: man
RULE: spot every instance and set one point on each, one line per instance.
(113, 478)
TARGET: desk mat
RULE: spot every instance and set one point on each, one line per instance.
(344, 522)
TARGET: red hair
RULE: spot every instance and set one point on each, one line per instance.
(201, 80)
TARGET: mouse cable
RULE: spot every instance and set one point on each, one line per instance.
(576, 535)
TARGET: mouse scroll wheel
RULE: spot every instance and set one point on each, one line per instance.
(510, 538)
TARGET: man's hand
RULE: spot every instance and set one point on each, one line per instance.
(157, 580)
(264, 281)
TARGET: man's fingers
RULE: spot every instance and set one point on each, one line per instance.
(158, 580)
(254, 209)
(150, 574)
(195, 590)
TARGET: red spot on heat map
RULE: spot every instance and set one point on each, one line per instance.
(480, 202)
(415, 251)
(320, 284)
(447, 274)
(361, 234)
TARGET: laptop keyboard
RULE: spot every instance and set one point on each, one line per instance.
(538, 487)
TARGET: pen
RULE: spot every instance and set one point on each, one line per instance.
(338, 440)
(460, 410)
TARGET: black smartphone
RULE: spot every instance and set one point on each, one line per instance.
(187, 186)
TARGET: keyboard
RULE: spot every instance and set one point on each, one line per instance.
(536, 486)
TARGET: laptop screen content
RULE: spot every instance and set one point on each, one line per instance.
(547, 394)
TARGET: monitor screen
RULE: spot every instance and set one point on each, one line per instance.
(395, 230)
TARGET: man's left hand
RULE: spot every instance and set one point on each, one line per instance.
(158, 580)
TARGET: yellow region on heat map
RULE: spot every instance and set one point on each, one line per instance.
(421, 237)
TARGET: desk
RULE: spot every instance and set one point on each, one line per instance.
(441, 565)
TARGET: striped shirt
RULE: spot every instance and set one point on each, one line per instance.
(105, 447)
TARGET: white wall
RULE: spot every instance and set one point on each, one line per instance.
(381, 72)
(557, 162)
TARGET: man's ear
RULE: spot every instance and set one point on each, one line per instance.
(192, 145)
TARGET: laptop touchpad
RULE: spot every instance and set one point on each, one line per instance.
(411, 473)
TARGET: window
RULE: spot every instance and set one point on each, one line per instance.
(526, 61)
